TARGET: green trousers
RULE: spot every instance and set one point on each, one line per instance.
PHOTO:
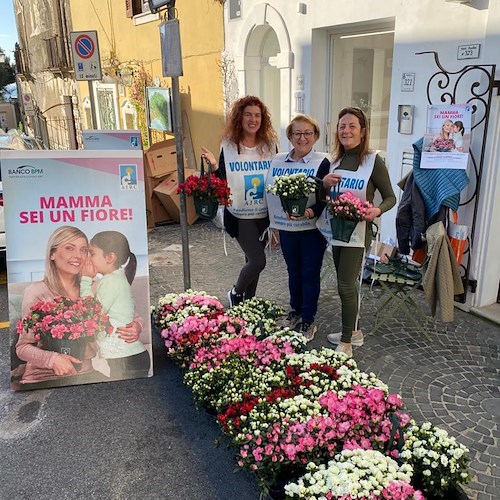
(347, 262)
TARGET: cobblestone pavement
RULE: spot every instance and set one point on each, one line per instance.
(144, 439)
(451, 380)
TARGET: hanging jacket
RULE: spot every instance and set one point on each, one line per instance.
(442, 275)
(410, 219)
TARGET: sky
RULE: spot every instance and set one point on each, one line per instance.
(8, 31)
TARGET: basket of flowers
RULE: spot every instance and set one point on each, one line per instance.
(293, 191)
(208, 192)
(65, 326)
(346, 210)
(443, 145)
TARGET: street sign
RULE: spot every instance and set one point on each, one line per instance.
(86, 60)
(29, 107)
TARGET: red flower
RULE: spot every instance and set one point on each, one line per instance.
(208, 187)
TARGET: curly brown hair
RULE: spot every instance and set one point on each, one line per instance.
(233, 131)
(338, 148)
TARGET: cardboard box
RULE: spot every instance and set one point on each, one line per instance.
(156, 211)
(382, 250)
(166, 192)
(161, 159)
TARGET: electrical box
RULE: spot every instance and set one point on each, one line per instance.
(405, 118)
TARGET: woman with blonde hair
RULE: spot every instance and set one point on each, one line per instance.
(67, 250)
(302, 244)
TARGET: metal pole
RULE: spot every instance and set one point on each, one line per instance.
(70, 121)
(92, 105)
(177, 126)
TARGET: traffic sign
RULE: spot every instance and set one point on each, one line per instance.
(86, 60)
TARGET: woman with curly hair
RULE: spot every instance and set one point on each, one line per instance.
(247, 148)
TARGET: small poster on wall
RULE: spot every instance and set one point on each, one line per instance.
(77, 259)
(159, 115)
(447, 136)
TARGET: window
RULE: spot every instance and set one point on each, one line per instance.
(55, 53)
(140, 12)
(361, 70)
(133, 7)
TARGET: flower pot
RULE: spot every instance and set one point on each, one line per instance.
(342, 229)
(295, 208)
(453, 492)
(72, 347)
(206, 209)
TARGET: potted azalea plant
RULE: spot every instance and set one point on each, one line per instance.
(293, 191)
(208, 192)
(64, 325)
(346, 210)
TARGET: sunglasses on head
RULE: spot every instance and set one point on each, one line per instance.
(350, 109)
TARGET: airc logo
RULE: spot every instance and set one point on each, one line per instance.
(128, 177)
(254, 188)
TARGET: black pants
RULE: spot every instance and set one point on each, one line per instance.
(249, 233)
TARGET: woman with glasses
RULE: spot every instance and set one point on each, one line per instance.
(302, 244)
(362, 172)
(247, 148)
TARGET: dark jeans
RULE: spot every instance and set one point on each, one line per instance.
(303, 252)
(136, 366)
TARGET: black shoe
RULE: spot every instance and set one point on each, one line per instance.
(308, 330)
(292, 320)
(234, 298)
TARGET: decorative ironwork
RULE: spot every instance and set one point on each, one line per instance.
(473, 84)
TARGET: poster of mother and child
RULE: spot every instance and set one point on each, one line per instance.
(447, 136)
(77, 260)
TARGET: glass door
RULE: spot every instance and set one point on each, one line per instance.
(360, 76)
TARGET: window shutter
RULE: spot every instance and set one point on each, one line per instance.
(129, 8)
(133, 7)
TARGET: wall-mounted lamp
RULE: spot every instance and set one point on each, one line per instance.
(156, 5)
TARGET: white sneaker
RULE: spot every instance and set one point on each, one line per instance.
(357, 338)
(346, 350)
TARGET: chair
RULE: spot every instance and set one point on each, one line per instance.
(400, 281)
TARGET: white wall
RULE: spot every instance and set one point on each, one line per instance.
(424, 25)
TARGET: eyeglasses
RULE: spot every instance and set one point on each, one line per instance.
(307, 134)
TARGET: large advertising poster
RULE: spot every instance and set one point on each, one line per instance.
(77, 261)
(447, 136)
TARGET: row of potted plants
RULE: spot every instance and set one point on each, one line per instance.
(309, 423)
(293, 190)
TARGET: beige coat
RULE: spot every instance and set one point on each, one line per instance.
(442, 279)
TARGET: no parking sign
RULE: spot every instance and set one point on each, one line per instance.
(85, 50)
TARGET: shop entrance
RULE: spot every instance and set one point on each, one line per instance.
(360, 76)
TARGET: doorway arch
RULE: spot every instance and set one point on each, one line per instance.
(265, 63)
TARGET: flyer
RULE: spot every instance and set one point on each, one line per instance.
(77, 260)
(447, 137)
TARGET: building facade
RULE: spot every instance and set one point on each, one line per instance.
(388, 58)
(56, 108)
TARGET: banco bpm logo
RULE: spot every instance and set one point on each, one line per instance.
(25, 171)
